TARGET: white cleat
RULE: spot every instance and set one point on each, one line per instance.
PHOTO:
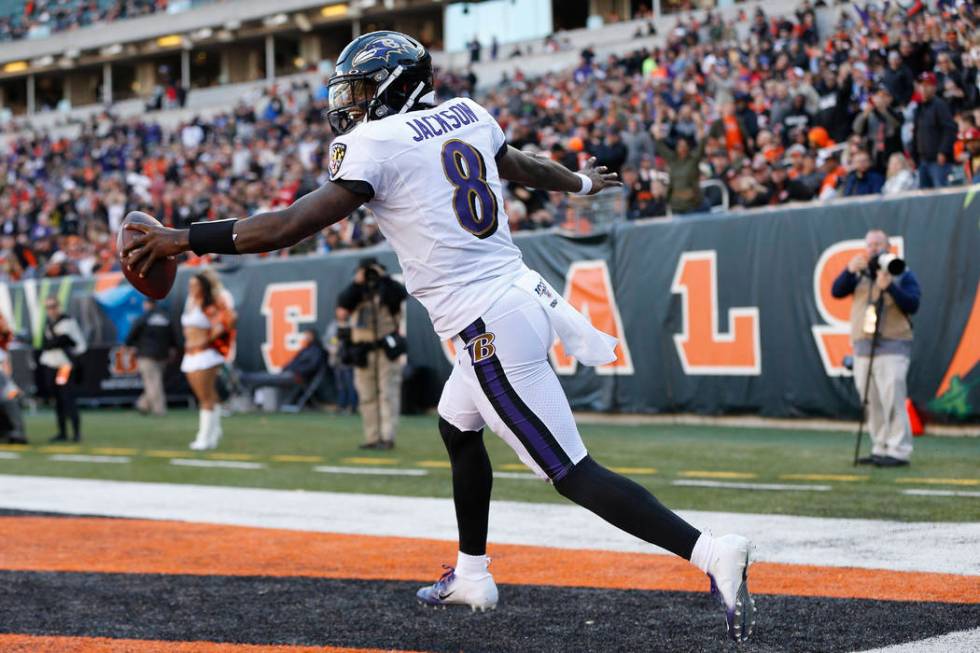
(450, 589)
(729, 573)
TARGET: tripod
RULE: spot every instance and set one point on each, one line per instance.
(879, 305)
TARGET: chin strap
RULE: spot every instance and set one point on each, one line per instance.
(411, 98)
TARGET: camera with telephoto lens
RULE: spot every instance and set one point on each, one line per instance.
(887, 261)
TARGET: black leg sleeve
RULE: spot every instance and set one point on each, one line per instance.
(628, 506)
(472, 482)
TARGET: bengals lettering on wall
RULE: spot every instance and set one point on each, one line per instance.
(701, 346)
(286, 306)
(588, 288)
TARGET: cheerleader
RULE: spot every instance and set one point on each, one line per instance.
(208, 322)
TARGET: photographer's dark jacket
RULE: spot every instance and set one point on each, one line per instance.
(153, 335)
(901, 300)
(374, 311)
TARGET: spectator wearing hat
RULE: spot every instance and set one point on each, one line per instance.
(863, 179)
(934, 135)
(881, 125)
(828, 164)
(786, 189)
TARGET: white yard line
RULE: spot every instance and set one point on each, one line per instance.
(941, 493)
(223, 464)
(939, 547)
(370, 471)
(961, 640)
(525, 476)
(81, 458)
(779, 487)
(9, 455)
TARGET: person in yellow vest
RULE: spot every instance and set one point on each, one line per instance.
(884, 299)
(368, 315)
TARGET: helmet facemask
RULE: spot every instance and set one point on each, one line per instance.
(349, 102)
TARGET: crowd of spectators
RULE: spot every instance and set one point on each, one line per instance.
(768, 108)
(40, 18)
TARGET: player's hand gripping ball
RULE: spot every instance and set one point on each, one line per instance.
(156, 281)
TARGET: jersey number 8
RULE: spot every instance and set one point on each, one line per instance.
(474, 203)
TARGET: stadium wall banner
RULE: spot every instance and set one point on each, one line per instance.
(714, 314)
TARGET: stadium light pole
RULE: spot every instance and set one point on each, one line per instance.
(270, 58)
(31, 91)
(185, 68)
(107, 83)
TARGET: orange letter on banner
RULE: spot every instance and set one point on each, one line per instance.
(589, 289)
(701, 347)
(285, 306)
(834, 338)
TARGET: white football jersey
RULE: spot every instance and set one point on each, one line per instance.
(438, 200)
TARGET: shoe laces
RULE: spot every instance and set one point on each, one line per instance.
(446, 578)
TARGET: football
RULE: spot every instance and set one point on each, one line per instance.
(158, 281)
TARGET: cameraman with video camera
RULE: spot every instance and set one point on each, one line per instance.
(368, 314)
(885, 293)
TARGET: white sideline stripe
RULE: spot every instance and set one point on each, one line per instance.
(226, 464)
(526, 476)
(871, 544)
(9, 455)
(370, 471)
(781, 487)
(82, 458)
(941, 493)
(961, 640)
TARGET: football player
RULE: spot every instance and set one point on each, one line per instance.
(432, 175)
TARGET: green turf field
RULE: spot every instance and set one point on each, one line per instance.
(288, 447)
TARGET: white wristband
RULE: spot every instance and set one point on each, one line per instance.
(586, 184)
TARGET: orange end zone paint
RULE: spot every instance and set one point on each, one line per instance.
(52, 644)
(140, 546)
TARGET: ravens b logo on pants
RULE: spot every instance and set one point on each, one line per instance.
(481, 347)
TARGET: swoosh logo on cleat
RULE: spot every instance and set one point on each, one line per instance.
(443, 597)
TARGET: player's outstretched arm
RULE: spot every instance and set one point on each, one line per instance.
(264, 232)
(546, 174)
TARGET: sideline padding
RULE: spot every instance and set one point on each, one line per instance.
(52, 644)
(146, 547)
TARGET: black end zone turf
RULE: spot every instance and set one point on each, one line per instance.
(355, 613)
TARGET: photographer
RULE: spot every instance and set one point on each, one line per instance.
(368, 312)
(885, 295)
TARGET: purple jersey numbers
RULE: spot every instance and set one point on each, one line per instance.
(474, 203)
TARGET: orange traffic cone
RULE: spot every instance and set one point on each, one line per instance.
(914, 419)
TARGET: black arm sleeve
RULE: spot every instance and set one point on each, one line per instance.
(358, 187)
